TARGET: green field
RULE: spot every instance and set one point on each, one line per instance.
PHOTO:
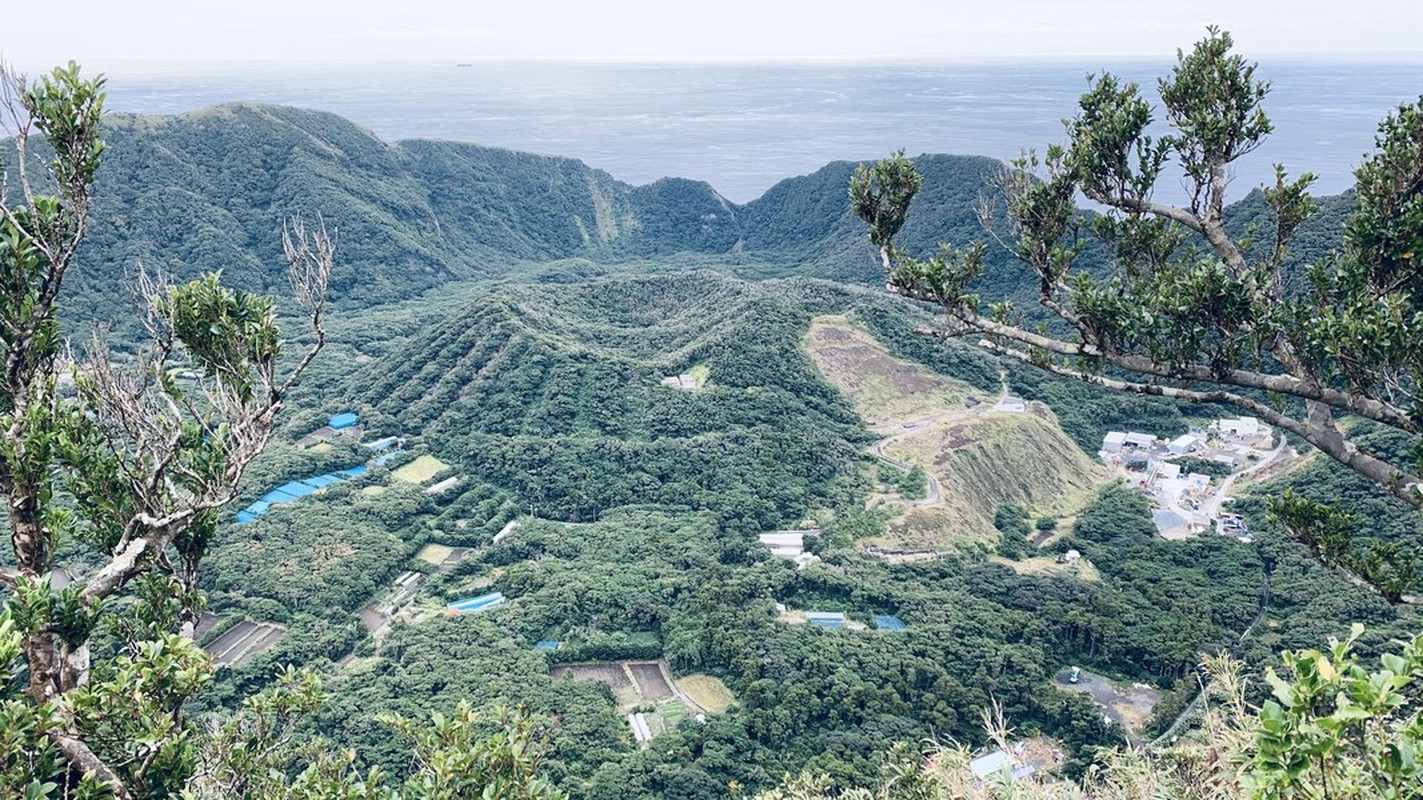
(420, 470)
(434, 554)
(707, 691)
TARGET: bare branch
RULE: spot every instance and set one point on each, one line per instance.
(309, 259)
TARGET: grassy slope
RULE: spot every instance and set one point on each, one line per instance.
(980, 457)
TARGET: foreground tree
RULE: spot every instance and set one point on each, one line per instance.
(1187, 311)
(133, 464)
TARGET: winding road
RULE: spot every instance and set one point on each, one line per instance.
(917, 426)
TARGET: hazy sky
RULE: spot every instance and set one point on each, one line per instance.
(100, 32)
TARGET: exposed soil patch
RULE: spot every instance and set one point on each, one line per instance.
(612, 674)
(650, 681)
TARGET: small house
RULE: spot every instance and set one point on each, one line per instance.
(826, 619)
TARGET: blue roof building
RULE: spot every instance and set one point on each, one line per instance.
(473, 605)
(546, 646)
(344, 420)
(826, 619)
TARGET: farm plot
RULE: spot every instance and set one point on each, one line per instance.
(612, 673)
(206, 622)
(420, 470)
(244, 642)
(650, 683)
(637, 685)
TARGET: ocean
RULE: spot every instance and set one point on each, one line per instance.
(743, 127)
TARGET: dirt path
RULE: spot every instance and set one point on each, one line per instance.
(915, 427)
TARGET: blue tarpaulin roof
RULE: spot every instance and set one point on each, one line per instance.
(547, 645)
(346, 420)
(480, 603)
(295, 490)
(889, 622)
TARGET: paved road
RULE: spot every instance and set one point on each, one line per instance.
(914, 427)
(1210, 506)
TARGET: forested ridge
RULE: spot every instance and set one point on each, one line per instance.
(205, 190)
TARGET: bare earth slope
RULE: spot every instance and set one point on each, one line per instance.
(977, 457)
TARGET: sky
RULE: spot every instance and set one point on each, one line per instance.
(102, 33)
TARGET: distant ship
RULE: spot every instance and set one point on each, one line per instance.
(464, 65)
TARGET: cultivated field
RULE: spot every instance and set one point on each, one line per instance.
(420, 470)
(613, 673)
(244, 642)
(707, 691)
(638, 684)
(650, 683)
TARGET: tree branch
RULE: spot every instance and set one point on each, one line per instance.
(84, 759)
(1399, 483)
(1280, 383)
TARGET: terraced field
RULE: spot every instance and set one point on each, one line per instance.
(244, 642)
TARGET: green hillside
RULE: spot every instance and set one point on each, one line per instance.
(556, 394)
(210, 189)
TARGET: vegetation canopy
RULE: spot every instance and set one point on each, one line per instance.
(1187, 309)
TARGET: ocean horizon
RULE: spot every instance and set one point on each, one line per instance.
(742, 127)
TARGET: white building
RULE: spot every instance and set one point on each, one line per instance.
(995, 763)
(1183, 444)
(1140, 440)
(1241, 427)
(1113, 441)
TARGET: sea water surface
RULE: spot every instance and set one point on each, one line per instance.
(743, 127)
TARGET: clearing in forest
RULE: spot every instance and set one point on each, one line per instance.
(976, 456)
(984, 460)
(707, 691)
(884, 390)
(434, 554)
(420, 470)
(1049, 565)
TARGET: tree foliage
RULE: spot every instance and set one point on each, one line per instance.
(1187, 310)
